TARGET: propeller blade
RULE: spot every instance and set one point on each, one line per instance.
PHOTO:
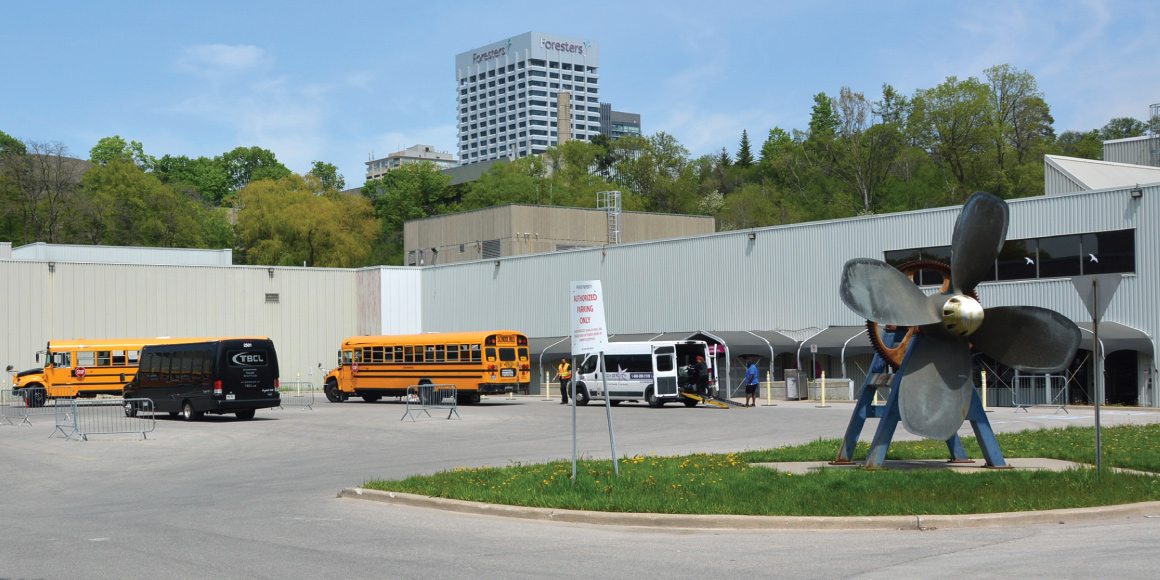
(1028, 338)
(979, 235)
(877, 291)
(936, 388)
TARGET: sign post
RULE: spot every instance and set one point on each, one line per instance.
(590, 335)
(1096, 292)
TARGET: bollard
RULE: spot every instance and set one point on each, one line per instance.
(823, 405)
(985, 392)
(547, 387)
(769, 389)
(511, 396)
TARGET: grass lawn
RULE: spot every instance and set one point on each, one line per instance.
(728, 484)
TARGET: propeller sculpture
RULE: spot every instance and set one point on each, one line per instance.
(936, 387)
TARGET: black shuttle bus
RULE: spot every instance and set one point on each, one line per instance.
(228, 375)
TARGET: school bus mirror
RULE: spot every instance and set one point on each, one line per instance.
(9, 369)
(38, 357)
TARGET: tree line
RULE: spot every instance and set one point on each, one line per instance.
(858, 155)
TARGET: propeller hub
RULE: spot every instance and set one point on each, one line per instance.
(962, 315)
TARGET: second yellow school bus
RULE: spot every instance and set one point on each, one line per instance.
(477, 363)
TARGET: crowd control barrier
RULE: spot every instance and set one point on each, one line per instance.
(423, 398)
(297, 394)
(104, 417)
(16, 406)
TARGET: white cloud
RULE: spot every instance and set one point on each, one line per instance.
(222, 59)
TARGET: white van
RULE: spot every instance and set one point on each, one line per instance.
(654, 372)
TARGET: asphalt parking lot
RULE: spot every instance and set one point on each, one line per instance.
(223, 498)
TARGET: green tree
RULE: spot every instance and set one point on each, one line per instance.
(1087, 145)
(298, 220)
(823, 119)
(208, 176)
(244, 165)
(956, 120)
(657, 169)
(1122, 128)
(42, 184)
(328, 174)
(110, 148)
(744, 153)
(413, 191)
(520, 181)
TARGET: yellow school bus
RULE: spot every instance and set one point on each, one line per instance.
(477, 363)
(85, 368)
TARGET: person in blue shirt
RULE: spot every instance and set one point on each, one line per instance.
(751, 383)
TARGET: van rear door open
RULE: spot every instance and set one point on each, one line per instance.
(665, 370)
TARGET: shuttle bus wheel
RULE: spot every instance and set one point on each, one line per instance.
(654, 401)
(188, 413)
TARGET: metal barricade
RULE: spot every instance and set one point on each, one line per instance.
(1040, 391)
(423, 398)
(297, 394)
(24, 403)
(104, 417)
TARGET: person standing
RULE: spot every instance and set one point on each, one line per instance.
(701, 371)
(564, 373)
(751, 383)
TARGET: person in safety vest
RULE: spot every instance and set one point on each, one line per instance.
(564, 373)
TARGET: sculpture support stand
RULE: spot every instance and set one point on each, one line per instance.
(889, 417)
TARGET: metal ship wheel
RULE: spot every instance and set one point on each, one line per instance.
(893, 356)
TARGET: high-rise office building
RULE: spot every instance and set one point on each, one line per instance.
(507, 93)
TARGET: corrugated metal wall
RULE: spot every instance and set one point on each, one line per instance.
(316, 308)
(1058, 183)
(1136, 151)
(785, 279)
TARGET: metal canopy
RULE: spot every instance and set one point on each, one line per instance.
(1116, 337)
(834, 339)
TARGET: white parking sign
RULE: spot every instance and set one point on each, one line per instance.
(588, 331)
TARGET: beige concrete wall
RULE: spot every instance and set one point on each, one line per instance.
(528, 229)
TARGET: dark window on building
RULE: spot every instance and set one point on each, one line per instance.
(1018, 260)
(1109, 252)
(939, 254)
(1059, 257)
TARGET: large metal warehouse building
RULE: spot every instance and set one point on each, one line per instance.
(767, 292)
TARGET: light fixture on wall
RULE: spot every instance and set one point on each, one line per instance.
(1136, 192)
(270, 271)
(497, 263)
(52, 266)
(752, 236)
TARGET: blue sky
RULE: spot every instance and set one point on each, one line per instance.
(335, 81)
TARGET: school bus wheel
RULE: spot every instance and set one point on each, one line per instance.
(332, 393)
(35, 395)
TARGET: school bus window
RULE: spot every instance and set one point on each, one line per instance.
(388, 354)
(62, 360)
(439, 353)
(119, 358)
(358, 355)
(408, 354)
(376, 355)
(103, 358)
(507, 354)
(398, 354)
(523, 354)
(418, 354)
(453, 353)
(475, 353)
(430, 349)
(134, 356)
(86, 358)
(464, 353)
(347, 356)
(490, 354)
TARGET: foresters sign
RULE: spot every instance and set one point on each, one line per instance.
(589, 333)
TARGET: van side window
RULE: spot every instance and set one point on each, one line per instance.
(664, 362)
(589, 365)
(163, 369)
(104, 358)
(86, 358)
(186, 364)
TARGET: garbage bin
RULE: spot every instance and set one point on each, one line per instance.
(797, 386)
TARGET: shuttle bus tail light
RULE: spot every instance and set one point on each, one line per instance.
(217, 387)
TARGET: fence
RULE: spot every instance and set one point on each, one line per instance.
(297, 394)
(423, 398)
(19, 405)
(103, 417)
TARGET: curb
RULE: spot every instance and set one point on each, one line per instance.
(739, 522)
